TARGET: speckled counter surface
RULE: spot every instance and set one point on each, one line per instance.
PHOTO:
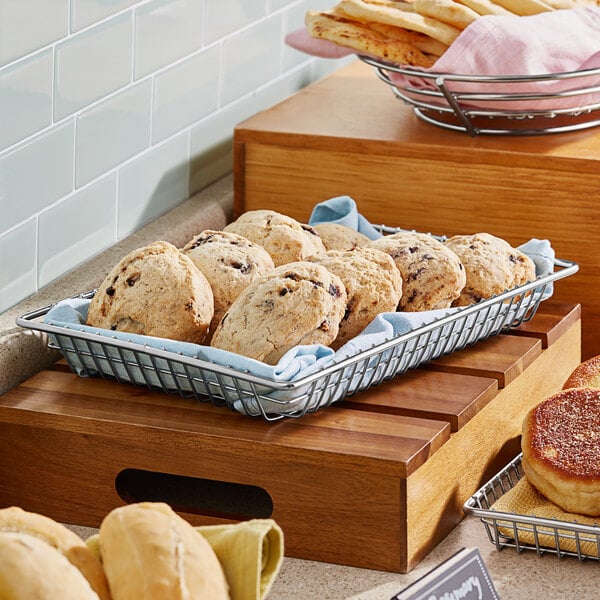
(525, 576)
(516, 576)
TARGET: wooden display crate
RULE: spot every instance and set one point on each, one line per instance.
(349, 135)
(375, 481)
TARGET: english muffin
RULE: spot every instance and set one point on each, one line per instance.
(561, 453)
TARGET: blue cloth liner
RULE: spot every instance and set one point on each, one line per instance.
(298, 362)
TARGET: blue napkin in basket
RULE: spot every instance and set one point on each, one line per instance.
(297, 363)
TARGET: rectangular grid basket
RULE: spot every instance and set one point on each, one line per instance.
(90, 354)
(525, 532)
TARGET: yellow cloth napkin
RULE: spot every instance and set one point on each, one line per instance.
(251, 553)
(524, 499)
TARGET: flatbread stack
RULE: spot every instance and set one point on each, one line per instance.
(414, 32)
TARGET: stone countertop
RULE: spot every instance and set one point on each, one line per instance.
(515, 576)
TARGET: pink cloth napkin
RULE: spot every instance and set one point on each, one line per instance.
(550, 42)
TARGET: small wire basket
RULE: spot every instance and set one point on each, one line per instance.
(525, 532)
(494, 105)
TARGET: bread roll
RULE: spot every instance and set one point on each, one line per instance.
(561, 449)
(68, 543)
(31, 569)
(151, 553)
(587, 374)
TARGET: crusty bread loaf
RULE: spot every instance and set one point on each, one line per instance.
(587, 374)
(16, 520)
(32, 569)
(561, 449)
(151, 553)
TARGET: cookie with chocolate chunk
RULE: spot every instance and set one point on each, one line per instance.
(432, 275)
(491, 264)
(295, 304)
(373, 285)
(230, 262)
(155, 290)
(284, 238)
(336, 236)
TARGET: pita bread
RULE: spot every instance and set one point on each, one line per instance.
(327, 26)
(558, 4)
(448, 11)
(399, 14)
(524, 8)
(421, 41)
(485, 7)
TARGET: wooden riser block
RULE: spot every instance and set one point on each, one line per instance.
(349, 135)
(375, 481)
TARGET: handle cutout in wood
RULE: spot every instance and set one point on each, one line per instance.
(195, 495)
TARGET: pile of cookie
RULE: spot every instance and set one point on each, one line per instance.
(414, 32)
(267, 283)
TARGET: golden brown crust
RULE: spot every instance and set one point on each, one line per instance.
(150, 552)
(31, 568)
(16, 520)
(561, 449)
(331, 27)
(587, 374)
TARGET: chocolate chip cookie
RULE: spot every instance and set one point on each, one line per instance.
(284, 238)
(295, 304)
(155, 290)
(373, 285)
(230, 262)
(336, 236)
(432, 274)
(491, 264)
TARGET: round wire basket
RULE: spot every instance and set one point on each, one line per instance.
(506, 105)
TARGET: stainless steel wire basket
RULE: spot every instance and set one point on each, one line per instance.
(526, 532)
(554, 103)
(92, 354)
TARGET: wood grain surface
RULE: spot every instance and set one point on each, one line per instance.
(348, 135)
(374, 481)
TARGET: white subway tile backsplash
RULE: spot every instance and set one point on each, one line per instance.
(211, 142)
(88, 12)
(92, 64)
(166, 30)
(77, 228)
(226, 16)
(112, 112)
(293, 19)
(25, 98)
(273, 5)
(251, 58)
(112, 131)
(153, 184)
(35, 175)
(17, 264)
(26, 26)
(185, 93)
(282, 88)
